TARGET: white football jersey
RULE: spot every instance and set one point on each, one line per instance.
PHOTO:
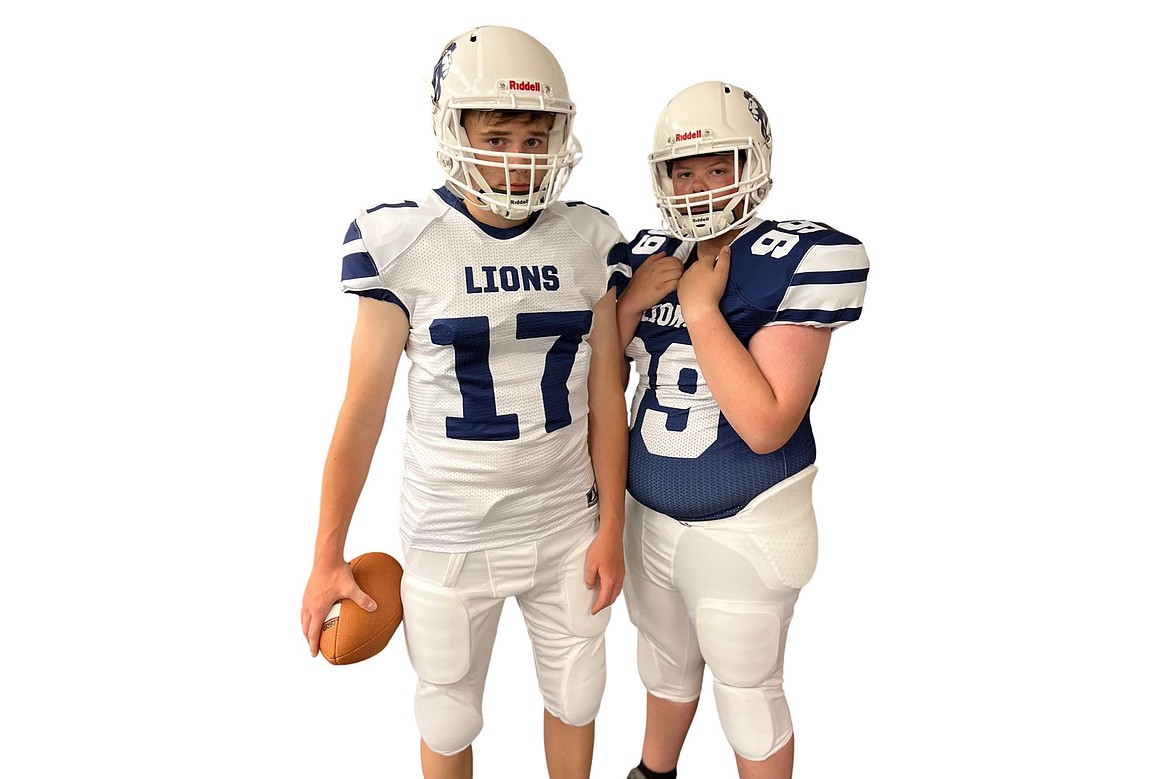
(496, 448)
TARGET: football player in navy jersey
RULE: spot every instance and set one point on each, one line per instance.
(498, 294)
(727, 318)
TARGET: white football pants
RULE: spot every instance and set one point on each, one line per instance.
(721, 594)
(451, 608)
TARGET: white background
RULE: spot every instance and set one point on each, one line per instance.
(176, 181)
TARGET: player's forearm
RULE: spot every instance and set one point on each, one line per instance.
(744, 396)
(608, 443)
(628, 316)
(347, 466)
(608, 435)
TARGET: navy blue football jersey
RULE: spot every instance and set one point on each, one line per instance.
(686, 461)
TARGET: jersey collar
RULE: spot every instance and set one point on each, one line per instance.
(689, 249)
(502, 233)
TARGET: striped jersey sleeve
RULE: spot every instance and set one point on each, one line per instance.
(359, 272)
(828, 286)
(618, 267)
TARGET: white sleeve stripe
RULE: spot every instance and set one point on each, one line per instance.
(834, 258)
(828, 297)
(622, 268)
(372, 282)
(353, 247)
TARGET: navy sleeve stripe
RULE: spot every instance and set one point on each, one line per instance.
(381, 294)
(403, 204)
(831, 277)
(359, 265)
(819, 316)
(354, 233)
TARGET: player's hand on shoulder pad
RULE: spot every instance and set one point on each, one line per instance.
(655, 278)
(327, 585)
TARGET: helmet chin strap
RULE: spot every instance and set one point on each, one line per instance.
(702, 226)
(518, 207)
(708, 224)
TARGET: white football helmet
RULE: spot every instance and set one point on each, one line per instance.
(502, 69)
(709, 118)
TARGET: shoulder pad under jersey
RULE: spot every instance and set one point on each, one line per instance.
(590, 222)
(387, 230)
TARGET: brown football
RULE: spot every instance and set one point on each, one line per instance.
(352, 634)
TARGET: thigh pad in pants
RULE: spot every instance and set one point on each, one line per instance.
(438, 631)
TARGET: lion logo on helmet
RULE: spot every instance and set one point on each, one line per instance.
(757, 112)
(442, 68)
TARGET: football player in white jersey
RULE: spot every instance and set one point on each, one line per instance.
(727, 318)
(498, 293)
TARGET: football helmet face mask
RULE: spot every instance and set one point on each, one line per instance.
(711, 118)
(502, 69)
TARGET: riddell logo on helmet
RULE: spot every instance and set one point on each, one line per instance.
(688, 136)
(524, 86)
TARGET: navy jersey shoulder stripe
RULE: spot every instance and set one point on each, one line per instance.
(354, 233)
(403, 204)
(358, 265)
(573, 203)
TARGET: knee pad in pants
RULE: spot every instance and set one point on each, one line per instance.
(742, 643)
(584, 683)
(568, 643)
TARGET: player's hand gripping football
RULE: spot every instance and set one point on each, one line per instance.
(655, 278)
(701, 288)
(605, 567)
(327, 585)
